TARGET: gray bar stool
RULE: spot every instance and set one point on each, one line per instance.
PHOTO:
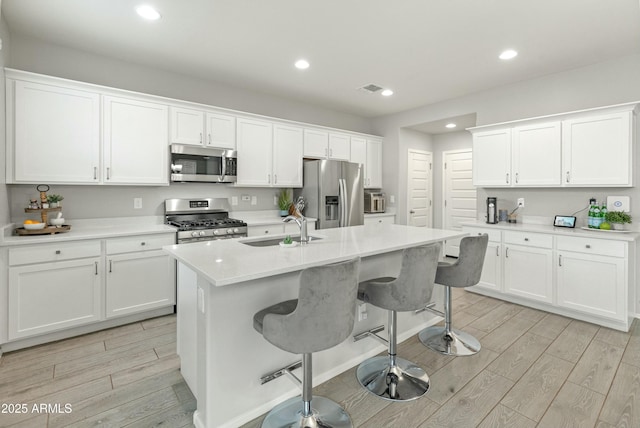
(465, 272)
(391, 377)
(321, 317)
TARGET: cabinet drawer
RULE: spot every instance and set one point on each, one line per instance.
(529, 239)
(266, 230)
(603, 247)
(53, 252)
(494, 235)
(139, 243)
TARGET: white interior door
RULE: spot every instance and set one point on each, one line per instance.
(419, 188)
(458, 193)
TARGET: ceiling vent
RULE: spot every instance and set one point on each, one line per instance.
(371, 88)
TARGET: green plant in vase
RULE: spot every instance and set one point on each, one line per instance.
(54, 200)
(617, 219)
(284, 201)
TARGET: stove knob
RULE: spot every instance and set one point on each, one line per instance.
(236, 230)
(230, 231)
(202, 233)
(194, 234)
(216, 232)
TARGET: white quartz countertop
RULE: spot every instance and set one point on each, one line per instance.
(92, 229)
(229, 261)
(564, 231)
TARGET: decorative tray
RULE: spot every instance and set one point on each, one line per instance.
(608, 231)
(49, 230)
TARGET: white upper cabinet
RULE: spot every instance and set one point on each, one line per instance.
(536, 151)
(339, 146)
(492, 158)
(200, 128)
(287, 156)
(255, 152)
(597, 150)
(369, 154)
(319, 144)
(581, 149)
(56, 134)
(135, 135)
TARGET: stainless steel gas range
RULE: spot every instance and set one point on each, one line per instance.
(202, 219)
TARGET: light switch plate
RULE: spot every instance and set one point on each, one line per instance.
(618, 203)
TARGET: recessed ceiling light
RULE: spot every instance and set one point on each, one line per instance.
(148, 12)
(387, 93)
(450, 125)
(508, 54)
(302, 64)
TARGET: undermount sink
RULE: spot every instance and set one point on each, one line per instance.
(275, 241)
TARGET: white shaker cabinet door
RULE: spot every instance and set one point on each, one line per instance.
(187, 126)
(56, 135)
(597, 150)
(492, 158)
(528, 272)
(491, 278)
(135, 142)
(339, 147)
(592, 284)
(221, 131)
(137, 282)
(373, 171)
(47, 297)
(255, 152)
(287, 156)
(536, 151)
(316, 144)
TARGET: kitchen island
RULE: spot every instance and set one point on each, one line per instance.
(221, 284)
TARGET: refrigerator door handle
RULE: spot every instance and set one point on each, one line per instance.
(342, 199)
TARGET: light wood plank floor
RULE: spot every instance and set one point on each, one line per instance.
(535, 369)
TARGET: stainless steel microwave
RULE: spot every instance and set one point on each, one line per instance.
(203, 164)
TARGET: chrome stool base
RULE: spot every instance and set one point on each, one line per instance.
(325, 414)
(403, 381)
(455, 342)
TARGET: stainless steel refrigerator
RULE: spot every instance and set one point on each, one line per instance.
(333, 192)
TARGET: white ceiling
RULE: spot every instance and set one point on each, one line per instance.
(425, 50)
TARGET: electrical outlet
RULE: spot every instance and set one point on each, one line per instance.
(234, 200)
(275, 200)
(137, 203)
(254, 200)
(362, 311)
(521, 202)
(392, 199)
(246, 198)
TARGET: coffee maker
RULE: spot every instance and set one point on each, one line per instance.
(492, 210)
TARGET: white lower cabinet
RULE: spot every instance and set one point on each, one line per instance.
(380, 219)
(278, 229)
(57, 286)
(577, 276)
(139, 281)
(46, 297)
(528, 272)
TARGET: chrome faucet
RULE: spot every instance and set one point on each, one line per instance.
(302, 224)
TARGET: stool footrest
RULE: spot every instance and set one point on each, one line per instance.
(283, 371)
(431, 308)
(372, 333)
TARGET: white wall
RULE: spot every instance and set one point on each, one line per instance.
(114, 201)
(598, 85)
(4, 194)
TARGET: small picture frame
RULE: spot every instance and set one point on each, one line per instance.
(564, 221)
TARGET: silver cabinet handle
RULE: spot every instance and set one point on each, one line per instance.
(507, 178)
(526, 239)
(266, 231)
(110, 266)
(143, 243)
(506, 252)
(497, 251)
(587, 246)
(108, 173)
(209, 139)
(58, 251)
(275, 178)
(516, 178)
(201, 138)
(96, 264)
(560, 260)
(269, 178)
(567, 176)
(95, 172)
(412, 212)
